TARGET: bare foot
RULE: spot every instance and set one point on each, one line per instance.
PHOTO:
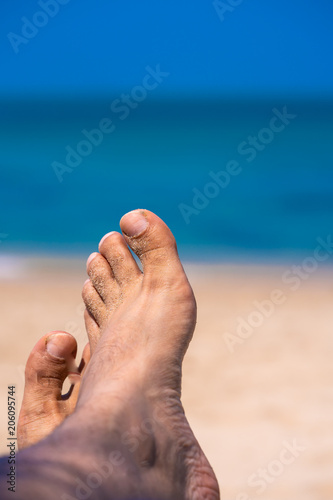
(146, 321)
(128, 437)
(44, 407)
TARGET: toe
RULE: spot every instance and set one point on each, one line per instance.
(152, 241)
(50, 362)
(94, 303)
(114, 248)
(102, 278)
(86, 355)
(75, 387)
(93, 330)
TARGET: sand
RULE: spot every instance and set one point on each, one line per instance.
(261, 406)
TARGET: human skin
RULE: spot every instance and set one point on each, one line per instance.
(128, 437)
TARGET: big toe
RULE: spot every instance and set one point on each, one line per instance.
(153, 242)
(51, 361)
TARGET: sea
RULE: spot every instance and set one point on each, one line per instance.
(234, 178)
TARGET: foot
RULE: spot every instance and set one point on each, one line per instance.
(128, 437)
(139, 326)
(44, 407)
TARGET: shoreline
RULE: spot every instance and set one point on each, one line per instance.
(202, 258)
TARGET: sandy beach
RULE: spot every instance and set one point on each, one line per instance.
(259, 398)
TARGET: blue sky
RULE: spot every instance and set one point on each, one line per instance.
(261, 47)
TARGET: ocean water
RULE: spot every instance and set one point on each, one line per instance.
(163, 156)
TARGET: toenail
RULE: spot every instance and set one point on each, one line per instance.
(104, 238)
(91, 257)
(57, 345)
(134, 223)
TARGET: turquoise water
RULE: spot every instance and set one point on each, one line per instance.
(278, 204)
